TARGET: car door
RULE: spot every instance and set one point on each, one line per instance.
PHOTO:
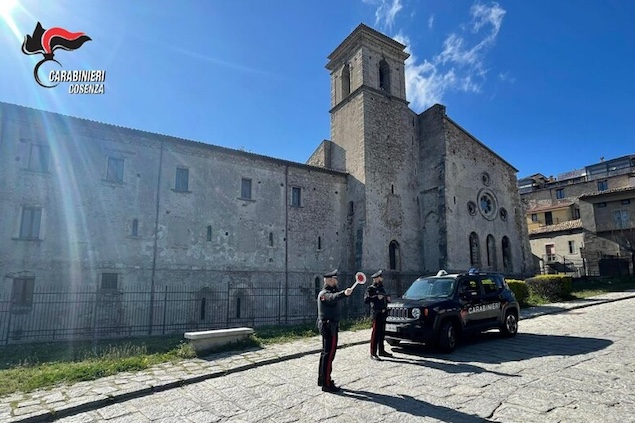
(492, 298)
(471, 299)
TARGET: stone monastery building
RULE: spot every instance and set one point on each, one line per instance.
(97, 207)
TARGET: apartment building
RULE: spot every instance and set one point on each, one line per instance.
(582, 222)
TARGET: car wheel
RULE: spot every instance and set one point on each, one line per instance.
(447, 337)
(393, 342)
(510, 324)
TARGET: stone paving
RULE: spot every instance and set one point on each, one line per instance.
(73, 403)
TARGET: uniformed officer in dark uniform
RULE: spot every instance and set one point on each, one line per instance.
(378, 299)
(328, 324)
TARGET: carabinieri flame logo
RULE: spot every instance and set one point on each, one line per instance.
(46, 41)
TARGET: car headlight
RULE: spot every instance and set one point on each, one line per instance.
(416, 313)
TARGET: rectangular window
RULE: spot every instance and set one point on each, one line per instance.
(22, 293)
(625, 202)
(109, 281)
(245, 188)
(548, 218)
(114, 171)
(182, 179)
(135, 228)
(39, 159)
(296, 196)
(550, 252)
(600, 205)
(30, 223)
(576, 213)
(534, 217)
(489, 286)
(560, 193)
(571, 247)
(621, 219)
(603, 185)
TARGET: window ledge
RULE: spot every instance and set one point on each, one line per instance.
(247, 199)
(181, 191)
(295, 206)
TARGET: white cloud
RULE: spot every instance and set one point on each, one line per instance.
(430, 21)
(461, 64)
(386, 12)
(505, 77)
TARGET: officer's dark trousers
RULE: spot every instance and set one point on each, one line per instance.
(378, 333)
(329, 331)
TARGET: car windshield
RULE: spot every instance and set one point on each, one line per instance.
(430, 288)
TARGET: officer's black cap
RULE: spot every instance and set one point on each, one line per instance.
(331, 274)
(377, 274)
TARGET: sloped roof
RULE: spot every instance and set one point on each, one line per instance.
(558, 227)
(560, 205)
(10, 110)
(608, 191)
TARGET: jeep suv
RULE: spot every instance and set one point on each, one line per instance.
(437, 309)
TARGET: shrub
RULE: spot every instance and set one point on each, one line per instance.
(550, 287)
(520, 290)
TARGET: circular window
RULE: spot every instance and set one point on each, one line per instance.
(471, 208)
(487, 204)
(503, 213)
(485, 178)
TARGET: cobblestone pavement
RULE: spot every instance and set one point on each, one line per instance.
(571, 362)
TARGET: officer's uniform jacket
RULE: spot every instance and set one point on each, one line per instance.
(370, 297)
(328, 304)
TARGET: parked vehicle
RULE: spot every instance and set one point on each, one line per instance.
(437, 310)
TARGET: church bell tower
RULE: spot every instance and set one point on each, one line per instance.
(373, 135)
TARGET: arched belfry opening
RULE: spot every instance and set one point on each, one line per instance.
(384, 76)
(346, 80)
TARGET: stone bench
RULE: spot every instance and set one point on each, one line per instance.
(205, 341)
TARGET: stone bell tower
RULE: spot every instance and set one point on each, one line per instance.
(373, 139)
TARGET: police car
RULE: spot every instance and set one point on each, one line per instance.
(438, 309)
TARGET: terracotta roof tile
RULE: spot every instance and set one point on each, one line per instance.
(559, 205)
(608, 191)
(562, 226)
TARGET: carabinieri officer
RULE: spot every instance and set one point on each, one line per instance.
(378, 299)
(328, 324)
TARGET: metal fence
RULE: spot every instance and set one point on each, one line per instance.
(65, 314)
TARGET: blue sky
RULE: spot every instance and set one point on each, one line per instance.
(548, 85)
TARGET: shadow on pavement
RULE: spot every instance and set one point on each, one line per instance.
(449, 367)
(492, 349)
(413, 406)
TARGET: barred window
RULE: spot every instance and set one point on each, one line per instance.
(22, 292)
(110, 281)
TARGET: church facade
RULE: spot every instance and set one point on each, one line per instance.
(98, 208)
